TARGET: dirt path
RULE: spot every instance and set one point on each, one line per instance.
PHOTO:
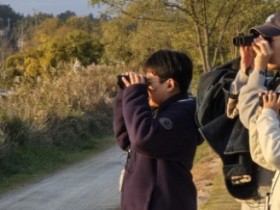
(89, 185)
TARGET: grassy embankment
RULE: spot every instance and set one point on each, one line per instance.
(55, 122)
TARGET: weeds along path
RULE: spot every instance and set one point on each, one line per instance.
(90, 185)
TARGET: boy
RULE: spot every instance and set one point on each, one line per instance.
(154, 118)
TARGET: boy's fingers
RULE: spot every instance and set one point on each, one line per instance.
(125, 82)
(136, 78)
(133, 77)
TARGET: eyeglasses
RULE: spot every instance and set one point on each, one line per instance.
(150, 81)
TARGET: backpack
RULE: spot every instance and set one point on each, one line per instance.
(227, 137)
(213, 89)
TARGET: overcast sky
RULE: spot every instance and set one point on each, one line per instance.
(25, 7)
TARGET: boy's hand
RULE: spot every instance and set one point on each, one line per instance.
(271, 100)
(134, 78)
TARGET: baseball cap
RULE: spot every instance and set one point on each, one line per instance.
(270, 28)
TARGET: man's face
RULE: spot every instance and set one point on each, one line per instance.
(274, 62)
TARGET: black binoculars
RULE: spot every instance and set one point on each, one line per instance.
(246, 40)
(120, 83)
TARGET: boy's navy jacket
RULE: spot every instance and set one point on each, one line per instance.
(163, 144)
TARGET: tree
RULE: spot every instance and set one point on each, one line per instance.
(65, 15)
(79, 44)
(203, 27)
(8, 14)
(8, 19)
(54, 42)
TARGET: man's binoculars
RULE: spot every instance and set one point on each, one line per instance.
(246, 40)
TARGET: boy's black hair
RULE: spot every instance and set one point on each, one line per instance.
(171, 64)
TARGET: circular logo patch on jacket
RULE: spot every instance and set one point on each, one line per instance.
(166, 123)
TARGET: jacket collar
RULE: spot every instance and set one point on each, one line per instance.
(171, 100)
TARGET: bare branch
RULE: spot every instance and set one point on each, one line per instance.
(123, 11)
(217, 48)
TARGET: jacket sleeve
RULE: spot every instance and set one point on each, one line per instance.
(255, 146)
(165, 136)
(249, 97)
(239, 81)
(269, 136)
(119, 127)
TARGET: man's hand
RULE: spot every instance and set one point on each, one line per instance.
(263, 53)
(247, 58)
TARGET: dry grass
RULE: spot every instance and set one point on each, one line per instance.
(88, 90)
(65, 111)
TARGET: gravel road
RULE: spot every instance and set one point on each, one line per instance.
(89, 185)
